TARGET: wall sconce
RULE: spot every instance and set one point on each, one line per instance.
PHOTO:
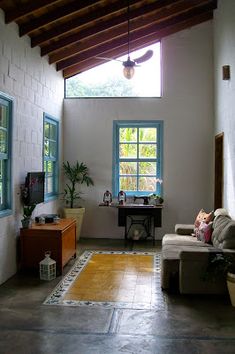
(226, 72)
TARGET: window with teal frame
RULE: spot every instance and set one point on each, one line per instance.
(137, 157)
(50, 157)
(5, 154)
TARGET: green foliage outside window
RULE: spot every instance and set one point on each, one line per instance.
(109, 87)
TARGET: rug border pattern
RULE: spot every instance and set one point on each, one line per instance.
(56, 296)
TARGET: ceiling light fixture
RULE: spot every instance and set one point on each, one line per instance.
(129, 65)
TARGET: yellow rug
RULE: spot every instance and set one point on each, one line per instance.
(111, 279)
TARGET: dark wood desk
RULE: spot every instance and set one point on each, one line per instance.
(152, 217)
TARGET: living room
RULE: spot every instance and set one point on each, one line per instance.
(196, 105)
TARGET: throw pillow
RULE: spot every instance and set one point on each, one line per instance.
(204, 232)
(203, 216)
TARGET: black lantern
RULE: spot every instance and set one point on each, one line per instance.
(107, 198)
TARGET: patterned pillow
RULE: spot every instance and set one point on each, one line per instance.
(204, 232)
(203, 216)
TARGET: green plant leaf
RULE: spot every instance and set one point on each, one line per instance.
(76, 174)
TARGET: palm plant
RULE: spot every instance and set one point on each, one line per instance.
(76, 174)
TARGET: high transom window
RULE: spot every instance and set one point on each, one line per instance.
(107, 80)
(137, 157)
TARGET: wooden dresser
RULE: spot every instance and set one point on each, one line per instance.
(59, 239)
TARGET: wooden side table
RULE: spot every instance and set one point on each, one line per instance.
(59, 239)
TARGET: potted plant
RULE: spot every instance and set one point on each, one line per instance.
(222, 263)
(76, 175)
(157, 199)
(27, 214)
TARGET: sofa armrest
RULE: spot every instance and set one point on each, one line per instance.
(184, 229)
(192, 272)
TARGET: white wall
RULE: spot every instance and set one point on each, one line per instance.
(187, 111)
(224, 39)
(35, 88)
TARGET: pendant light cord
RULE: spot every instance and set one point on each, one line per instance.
(128, 26)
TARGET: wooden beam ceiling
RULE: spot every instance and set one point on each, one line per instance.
(73, 33)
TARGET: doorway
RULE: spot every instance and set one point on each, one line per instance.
(219, 171)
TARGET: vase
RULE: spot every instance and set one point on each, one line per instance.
(77, 214)
(26, 223)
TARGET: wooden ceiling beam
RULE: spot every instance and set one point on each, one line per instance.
(54, 15)
(26, 9)
(100, 27)
(77, 22)
(153, 17)
(138, 44)
(152, 28)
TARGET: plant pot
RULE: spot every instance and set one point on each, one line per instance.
(77, 214)
(26, 223)
(231, 287)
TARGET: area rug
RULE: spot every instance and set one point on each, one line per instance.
(112, 279)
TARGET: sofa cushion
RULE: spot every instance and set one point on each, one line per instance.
(184, 229)
(223, 235)
(182, 240)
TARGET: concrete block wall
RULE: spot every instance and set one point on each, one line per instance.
(35, 87)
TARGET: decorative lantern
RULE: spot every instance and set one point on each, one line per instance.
(107, 199)
(121, 198)
(47, 267)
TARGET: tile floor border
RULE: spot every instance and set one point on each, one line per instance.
(56, 296)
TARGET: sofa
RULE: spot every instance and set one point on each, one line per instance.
(185, 257)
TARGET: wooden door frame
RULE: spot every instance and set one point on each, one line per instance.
(219, 171)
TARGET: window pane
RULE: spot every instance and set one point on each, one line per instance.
(1, 169)
(128, 168)
(128, 183)
(3, 116)
(147, 150)
(53, 132)
(46, 147)
(50, 167)
(148, 134)
(3, 141)
(147, 184)
(49, 184)
(47, 130)
(127, 134)
(107, 80)
(52, 149)
(147, 168)
(128, 151)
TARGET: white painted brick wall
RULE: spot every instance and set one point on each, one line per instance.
(36, 88)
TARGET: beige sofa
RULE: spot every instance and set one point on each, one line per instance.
(185, 259)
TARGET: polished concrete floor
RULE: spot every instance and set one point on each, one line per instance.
(187, 324)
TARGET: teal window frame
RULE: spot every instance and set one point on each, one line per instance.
(117, 125)
(6, 107)
(52, 157)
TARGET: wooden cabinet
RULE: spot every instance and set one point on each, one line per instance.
(59, 239)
